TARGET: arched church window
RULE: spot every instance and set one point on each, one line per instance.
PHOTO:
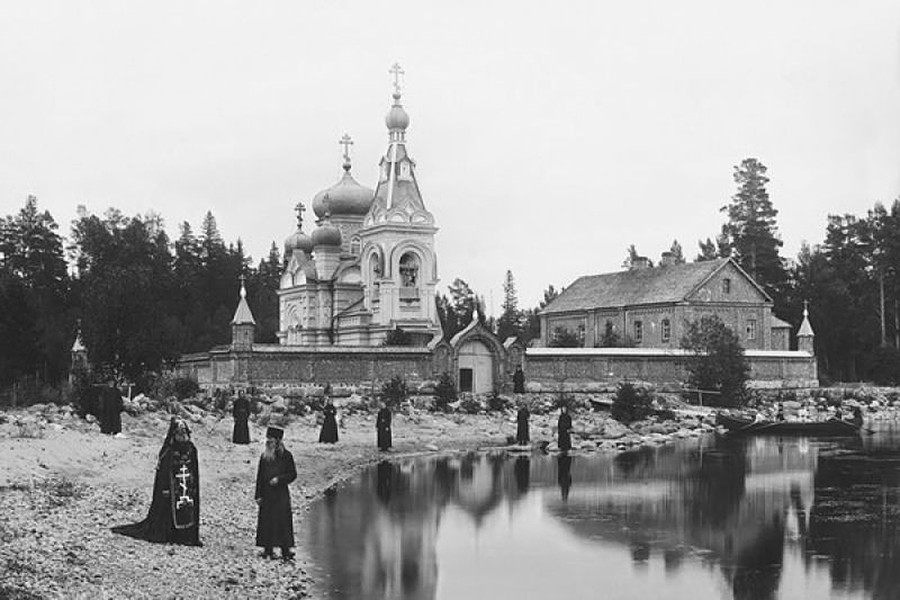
(354, 245)
(409, 270)
(375, 266)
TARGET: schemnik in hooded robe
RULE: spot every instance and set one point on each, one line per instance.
(174, 515)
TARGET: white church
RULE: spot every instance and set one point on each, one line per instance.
(369, 266)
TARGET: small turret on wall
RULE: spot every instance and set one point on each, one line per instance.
(805, 335)
(243, 325)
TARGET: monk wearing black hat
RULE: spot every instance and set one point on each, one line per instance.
(275, 526)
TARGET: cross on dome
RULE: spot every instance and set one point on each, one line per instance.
(300, 208)
(243, 289)
(396, 71)
(346, 142)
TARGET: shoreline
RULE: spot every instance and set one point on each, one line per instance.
(63, 485)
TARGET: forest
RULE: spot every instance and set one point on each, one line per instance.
(139, 298)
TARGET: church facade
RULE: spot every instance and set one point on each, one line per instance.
(364, 280)
(369, 267)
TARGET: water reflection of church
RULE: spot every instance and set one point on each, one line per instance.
(753, 509)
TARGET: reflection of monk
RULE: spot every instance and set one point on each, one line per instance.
(757, 568)
(383, 481)
(522, 471)
(564, 475)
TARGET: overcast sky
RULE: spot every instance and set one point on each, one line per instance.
(548, 136)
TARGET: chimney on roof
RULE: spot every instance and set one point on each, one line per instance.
(667, 259)
(640, 262)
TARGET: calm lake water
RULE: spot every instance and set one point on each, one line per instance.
(719, 518)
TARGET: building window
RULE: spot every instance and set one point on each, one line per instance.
(375, 266)
(726, 286)
(665, 333)
(638, 332)
(751, 329)
(354, 245)
(409, 269)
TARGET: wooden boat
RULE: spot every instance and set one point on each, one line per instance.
(745, 426)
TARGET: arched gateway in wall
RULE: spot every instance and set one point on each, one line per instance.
(479, 359)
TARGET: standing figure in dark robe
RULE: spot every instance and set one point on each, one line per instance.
(519, 381)
(564, 429)
(241, 412)
(110, 408)
(522, 437)
(174, 515)
(383, 427)
(857, 418)
(329, 432)
(275, 524)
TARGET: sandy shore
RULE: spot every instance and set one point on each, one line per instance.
(63, 485)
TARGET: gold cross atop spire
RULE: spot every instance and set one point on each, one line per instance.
(346, 142)
(396, 71)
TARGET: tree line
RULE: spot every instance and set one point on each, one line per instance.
(140, 299)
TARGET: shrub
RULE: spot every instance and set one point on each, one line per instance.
(716, 361)
(632, 403)
(186, 387)
(496, 402)
(470, 404)
(398, 337)
(394, 392)
(563, 400)
(564, 338)
(444, 392)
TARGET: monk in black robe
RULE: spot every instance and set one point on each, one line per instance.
(519, 381)
(522, 437)
(241, 412)
(329, 432)
(275, 524)
(110, 408)
(564, 429)
(174, 515)
(383, 427)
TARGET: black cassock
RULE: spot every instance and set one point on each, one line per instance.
(174, 515)
(564, 426)
(519, 382)
(110, 410)
(241, 412)
(383, 426)
(329, 432)
(275, 525)
(522, 436)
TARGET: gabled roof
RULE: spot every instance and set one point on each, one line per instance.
(657, 285)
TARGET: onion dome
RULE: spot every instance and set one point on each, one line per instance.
(326, 234)
(346, 197)
(297, 241)
(397, 119)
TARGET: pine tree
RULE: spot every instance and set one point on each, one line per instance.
(751, 233)
(510, 322)
(35, 273)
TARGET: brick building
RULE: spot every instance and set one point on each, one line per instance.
(651, 307)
